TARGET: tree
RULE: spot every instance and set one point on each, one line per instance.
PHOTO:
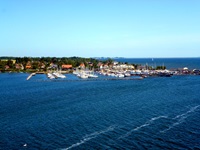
(160, 68)
(9, 63)
(35, 65)
(109, 61)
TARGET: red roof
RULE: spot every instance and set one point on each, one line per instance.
(28, 66)
(66, 66)
(82, 65)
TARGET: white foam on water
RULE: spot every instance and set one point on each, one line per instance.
(79, 143)
(186, 113)
(172, 126)
(156, 118)
(180, 118)
(100, 132)
(131, 131)
(90, 136)
(149, 122)
(144, 125)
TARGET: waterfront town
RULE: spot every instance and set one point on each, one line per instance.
(86, 67)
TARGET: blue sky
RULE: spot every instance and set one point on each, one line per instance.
(95, 28)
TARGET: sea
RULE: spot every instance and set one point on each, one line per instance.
(62, 114)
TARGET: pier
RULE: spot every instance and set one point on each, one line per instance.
(90, 79)
(32, 74)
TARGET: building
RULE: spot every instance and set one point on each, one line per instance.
(100, 65)
(6, 60)
(28, 66)
(53, 66)
(19, 66)
(66, 67)
(7, 67)
(82, 66)
(41, 65)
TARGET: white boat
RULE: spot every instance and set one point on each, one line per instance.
(50, 76)
(83, 76)
(75, 72)
(127, 74)
(78, 74)
(113, 75)
(92, 76)
(132, 72)
(138, 72)
(120, 75)
(59, 75)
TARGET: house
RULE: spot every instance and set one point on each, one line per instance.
(41, 65)
(90, 64)
(19, 66)
(82, 66)
(105, 66)
(66, 66)
(6, 60)
(7, 67)
(28, 66)
(53, 66)
(100, 65)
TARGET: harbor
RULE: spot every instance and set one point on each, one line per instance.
(109, 74)
(115, 71)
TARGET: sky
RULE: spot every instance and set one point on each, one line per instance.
(100, 28)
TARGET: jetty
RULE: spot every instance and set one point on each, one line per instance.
(32, 74)
(91, 79)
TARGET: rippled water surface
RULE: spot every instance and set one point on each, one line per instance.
(153, 113)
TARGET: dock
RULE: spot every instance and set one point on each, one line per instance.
(93, 79)
(32, 74)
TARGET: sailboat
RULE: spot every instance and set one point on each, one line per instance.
(92, 75)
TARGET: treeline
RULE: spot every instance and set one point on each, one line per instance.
(45, 63)
(10, 63)
(74, 61)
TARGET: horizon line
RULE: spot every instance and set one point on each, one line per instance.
(101, 57)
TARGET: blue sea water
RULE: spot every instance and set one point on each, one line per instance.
(153, 113)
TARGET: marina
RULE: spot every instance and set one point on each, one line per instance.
(109, 74)
(100, 75)
(87, 79)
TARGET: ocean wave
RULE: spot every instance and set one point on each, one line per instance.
(144, 125)
(79, 143)
(156, 118)
(149, 122)
(180, 118)
(190, 111)
(90, 136)
(100, 132)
